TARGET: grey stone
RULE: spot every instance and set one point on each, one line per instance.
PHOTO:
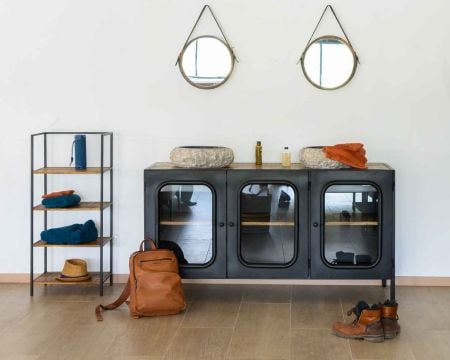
(201, 156)
(314, 157)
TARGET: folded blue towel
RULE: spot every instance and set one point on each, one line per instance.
(61, 201)
(71, 235)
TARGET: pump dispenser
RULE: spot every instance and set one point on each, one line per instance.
(286, 157)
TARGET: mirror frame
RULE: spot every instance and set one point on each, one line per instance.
(355, 61)
(180, 62)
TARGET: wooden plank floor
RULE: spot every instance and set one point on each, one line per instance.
(221, 322)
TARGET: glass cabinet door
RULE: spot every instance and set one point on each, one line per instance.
(267, 224)
(351, 234)
(186, 222)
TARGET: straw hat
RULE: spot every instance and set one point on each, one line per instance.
(75, 270)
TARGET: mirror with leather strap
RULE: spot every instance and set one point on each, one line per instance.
(329, 62)
(206, 61)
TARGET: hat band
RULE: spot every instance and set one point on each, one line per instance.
(73, 277)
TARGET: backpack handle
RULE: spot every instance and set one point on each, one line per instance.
(150, 242)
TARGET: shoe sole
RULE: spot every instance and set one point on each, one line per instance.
(391, 335)
(370, 338)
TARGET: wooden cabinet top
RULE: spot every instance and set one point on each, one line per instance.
(265, 166)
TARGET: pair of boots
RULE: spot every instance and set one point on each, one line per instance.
(373, 323)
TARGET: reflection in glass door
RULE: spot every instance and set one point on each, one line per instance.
(186, 222)
(351, 232)
(267, 224)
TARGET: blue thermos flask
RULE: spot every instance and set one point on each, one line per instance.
(79, 147)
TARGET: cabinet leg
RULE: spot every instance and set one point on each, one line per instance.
(383, 283)
(392, 288)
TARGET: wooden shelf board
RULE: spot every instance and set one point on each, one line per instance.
(49, 278)
(82, 206)
(244, 223)
(264, 166)
(70, 170)
(96, 243)
(180, 223)
(267, 223)
(351, 223)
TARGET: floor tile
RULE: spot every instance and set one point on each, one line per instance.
(395, 349)
(198, 344)
(429, 344)
(262, 332)
(316, 307)
(266, 294)
(318, 344)
(213, 306)
(150, 336)
(424, 308)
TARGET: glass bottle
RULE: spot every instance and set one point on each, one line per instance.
(286, 157)
(258, 153)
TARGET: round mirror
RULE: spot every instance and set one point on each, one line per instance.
(206, 62)
(329, 62)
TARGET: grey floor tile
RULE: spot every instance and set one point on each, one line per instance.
(315, 307)
(266, 294)
(261, 332)
(318, 344)
(197, 344)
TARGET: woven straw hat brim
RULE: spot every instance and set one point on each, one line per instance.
(77, 279)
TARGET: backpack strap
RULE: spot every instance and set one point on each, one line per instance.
(147, 243)
(121, 299)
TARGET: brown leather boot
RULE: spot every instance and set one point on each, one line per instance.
(389, 319)
(367, 324)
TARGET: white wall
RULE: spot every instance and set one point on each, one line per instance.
(109, 65)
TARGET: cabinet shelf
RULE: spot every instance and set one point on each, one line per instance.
(181, 223)
(267, 223)
(351, 223)
(71, 170)
(49, 278)
(244, 223)
(95, 243)
(82, 206)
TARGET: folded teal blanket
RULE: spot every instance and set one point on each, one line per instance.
(61, 201)
(71, 235)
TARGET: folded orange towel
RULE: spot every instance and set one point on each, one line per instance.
(58, 193)
(352, 154)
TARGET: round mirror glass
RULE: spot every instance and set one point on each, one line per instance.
(206, 62)
(329, 62)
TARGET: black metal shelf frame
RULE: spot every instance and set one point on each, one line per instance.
(102, 135)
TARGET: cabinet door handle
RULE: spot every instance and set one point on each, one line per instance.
(315, 224)
(221, 224)
(231, 224)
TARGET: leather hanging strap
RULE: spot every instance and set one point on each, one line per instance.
(122, 298)
(195, 25)
(317, 25)
(147, 243)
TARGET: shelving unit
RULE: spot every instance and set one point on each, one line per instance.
(48, 277)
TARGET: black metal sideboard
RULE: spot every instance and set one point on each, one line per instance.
(249, 221)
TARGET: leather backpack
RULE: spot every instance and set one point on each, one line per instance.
(154, 285)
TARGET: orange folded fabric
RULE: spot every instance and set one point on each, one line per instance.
(351, 154)
(58, 193)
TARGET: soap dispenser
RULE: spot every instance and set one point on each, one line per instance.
(286, 157)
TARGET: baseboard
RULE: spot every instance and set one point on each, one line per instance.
(400, 281)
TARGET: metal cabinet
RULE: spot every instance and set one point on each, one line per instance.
(267, 221)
